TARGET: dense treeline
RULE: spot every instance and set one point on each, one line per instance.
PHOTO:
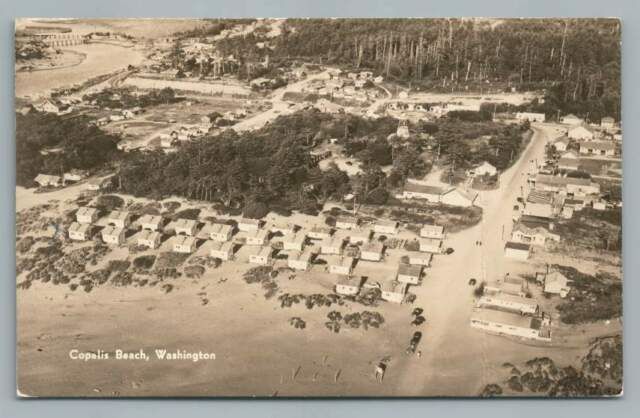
(576, 60)
(72, 142)
(124, 98)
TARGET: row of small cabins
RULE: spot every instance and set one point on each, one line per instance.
(222, 244)
(433, 194)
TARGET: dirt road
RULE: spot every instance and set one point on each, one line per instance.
(456, 359)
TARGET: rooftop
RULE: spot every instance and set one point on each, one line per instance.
(505, 318)
(423, 188)
(517, 246)
(410, 270)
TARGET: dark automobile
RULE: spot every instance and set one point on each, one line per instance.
(472, 282)
(415, 340)
(448, 251)
(419, 320)
(417, 311)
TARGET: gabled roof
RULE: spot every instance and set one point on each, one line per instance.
(423, 188)
(540, 197)
(466, 194)
(599, 145)
(409, 270)
(517, 246)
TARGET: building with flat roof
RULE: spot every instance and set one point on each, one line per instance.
(394, 291)
(340, 264)
(514, 286)
(348, 286)
(332, 245)
(430, 245)
(385, 227)
(346, 222)
(509, 302)
(217, 232)
(511, 324)
(372, 251)
(301, 260)
(245, 224)
(431, 194)
(319, 232)
(294, 241)
(517, 250)
(419, 259)
(359, 235)
(185, 227)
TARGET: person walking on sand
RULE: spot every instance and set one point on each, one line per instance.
(380, 369)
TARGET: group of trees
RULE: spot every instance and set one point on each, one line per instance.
(73, 142)
(125, 99)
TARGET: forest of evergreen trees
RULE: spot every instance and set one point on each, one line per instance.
(577, 61)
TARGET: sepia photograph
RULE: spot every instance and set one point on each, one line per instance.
(318, 207)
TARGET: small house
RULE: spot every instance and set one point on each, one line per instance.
(79, 231)
(257, 237)
(319, 232)
(459, 197)
(514, 286)
(149, 238)
(294, 241)
(393, 291)
(348, 286)
(184, 244)
(581, 133)
(246, 224)
(430, 245)
(603, 148)
(531, 116)
(432, 231)
(539, 203)
(340, 265)
(421, 191)
(113, 235)
(517, 250)
(420, 259)
(150, 222)
(332, 245)
(346, 222)
(301, 260)
(607, 122)
(217, 232)
(262, 256)
(561, 143)
(372, 251)
(485, 169)
(75, 175)
(556, 283)
(385, 227)
(222, 250)
(534, 231)
(571, 119)
(119, 218)
(47, 180)
(410, 274)
(97, 184)
(185, 227)
(86, 215)
(359, 235)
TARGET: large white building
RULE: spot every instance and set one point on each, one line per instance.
(506, 323)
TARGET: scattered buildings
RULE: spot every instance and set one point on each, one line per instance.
(113, 235)
(517, 250)
(581, 133)
(79, 231)
(86, 215)
(409, 274)
(149, 238)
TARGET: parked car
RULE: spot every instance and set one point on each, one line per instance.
(417, 311)
(419, 320)
(448, 251)
(413, 344)
(472, 282)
